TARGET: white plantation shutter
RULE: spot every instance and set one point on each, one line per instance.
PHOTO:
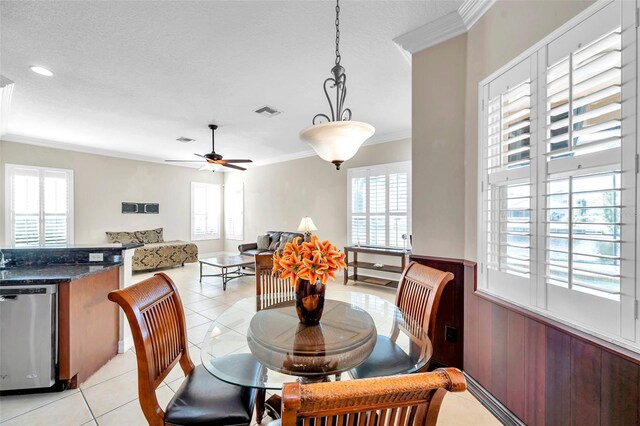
(379, 204)
(39, 206)
(234, 211)
(558, 176)
(508, 193)
(205, 211)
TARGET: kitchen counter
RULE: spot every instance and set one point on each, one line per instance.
(52, 274)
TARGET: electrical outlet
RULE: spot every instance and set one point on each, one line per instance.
(450, 334)
(96, 257)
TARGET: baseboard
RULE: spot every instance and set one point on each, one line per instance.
(124, 345)
(496, 408)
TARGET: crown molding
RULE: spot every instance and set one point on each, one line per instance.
(444, 28)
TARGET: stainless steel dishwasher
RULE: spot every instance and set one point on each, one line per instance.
(28, 336)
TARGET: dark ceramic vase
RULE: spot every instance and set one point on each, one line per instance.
(309, 301)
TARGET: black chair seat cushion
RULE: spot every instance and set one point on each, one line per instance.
(386, 359)
(204, 400)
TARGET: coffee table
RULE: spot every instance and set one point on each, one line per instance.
(225, 262)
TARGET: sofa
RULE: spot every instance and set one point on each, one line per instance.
(276, 240)
(155, 253)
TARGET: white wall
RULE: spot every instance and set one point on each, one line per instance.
(278, 195)
(102, 183)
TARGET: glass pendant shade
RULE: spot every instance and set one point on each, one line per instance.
(337, 141)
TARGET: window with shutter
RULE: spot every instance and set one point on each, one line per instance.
(234, 211)
(558, 176)
(379, 205)
(205, 211)
(39, 204)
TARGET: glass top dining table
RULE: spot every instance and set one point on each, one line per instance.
(268, 328)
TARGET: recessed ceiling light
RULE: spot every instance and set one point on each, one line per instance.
(41, 70)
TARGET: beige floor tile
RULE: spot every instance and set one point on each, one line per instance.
(196, 334)
(15, 405)
(90, 423)
(69, 411)
(122, 363)
(462, 411)
(188, 296)
(113, 393)
(131, 414)
(203, 304)
(214, 313)
(194, 319)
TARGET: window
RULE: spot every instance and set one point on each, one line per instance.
(205, 211)
(39, 206)
(379, 205)
(558, 176)
(234, 211)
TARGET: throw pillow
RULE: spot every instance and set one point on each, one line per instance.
(150, 236)
(263, 242)
(122, 237)
(274, 246)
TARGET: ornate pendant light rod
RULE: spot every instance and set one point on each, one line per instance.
(336, 139)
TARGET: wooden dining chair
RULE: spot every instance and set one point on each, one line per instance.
(156, 317)
(413, 400)
(418, 298)
(269, 288)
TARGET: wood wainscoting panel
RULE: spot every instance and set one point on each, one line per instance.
(516, 334)
(619, 377)
(585, 388)
(535, 369)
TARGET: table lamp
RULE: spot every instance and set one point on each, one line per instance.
(306, 226)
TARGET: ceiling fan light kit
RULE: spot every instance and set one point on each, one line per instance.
(336, 139)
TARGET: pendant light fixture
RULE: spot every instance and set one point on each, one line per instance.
(336, 139)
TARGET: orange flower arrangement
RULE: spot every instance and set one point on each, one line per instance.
(311, 261)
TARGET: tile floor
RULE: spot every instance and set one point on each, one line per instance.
(109, 397)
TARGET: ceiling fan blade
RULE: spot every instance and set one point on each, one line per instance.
(183, 161)
(232, 166)
(199, 155)
(237, 161)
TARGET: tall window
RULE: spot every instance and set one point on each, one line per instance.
(379, 205)
(558, 172)
(234, 211)
(205, 211)
(39, 206)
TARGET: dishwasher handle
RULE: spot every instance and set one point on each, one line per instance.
(11, 298)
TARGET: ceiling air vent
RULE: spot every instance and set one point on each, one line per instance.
(185, 140)
(268, 111)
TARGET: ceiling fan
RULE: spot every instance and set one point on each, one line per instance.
(213, 157)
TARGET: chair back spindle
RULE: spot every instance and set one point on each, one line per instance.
(270, 289)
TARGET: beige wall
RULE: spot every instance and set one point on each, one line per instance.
(438, 86)
(487, 50)
(445, 122)
(102, 183)
(278, 195)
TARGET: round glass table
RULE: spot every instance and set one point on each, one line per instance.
(349, 331)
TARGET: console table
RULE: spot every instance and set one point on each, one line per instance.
(356, 264)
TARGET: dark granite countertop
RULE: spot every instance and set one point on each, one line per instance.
(51, 274)
(78, 247)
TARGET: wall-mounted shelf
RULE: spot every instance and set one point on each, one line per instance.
(355, 264)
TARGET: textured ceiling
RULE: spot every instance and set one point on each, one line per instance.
(131, 77)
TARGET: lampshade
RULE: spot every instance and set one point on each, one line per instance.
(307, 225)
(337, 141)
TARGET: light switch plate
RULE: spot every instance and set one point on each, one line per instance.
(96, 257)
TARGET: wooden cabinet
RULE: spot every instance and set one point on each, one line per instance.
(395, 266)
(87, 325)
